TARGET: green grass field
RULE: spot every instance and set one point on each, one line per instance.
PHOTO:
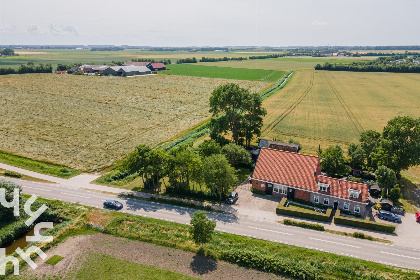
(100, 266)
(326, 108)
(224, 72)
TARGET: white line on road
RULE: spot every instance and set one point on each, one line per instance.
(36, 188)
(271, 230)
(414, 258)
(75, 195)
(166, 211)
(333, 242)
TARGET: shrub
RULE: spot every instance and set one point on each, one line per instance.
(304, 225)
(363, 223)
(308, 214)
(12, 174)
(257, 191)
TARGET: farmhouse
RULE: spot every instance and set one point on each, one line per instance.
(298, 176)
(291, 147)
(126, 71)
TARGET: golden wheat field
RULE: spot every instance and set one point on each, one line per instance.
(326, 108)
(89, 122)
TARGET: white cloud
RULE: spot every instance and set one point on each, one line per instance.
(319, 23)
(7, 28)
(34, 29)
(58, 29)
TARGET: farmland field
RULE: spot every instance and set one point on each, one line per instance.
(223, 72)
(326, 108)
(88, 122)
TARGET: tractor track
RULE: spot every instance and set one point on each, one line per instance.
(282, 116)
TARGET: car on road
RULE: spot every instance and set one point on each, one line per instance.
(113, 204)
(232, 198)
(388, 216)
(418, 217)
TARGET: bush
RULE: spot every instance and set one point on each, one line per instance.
(304, 202)
(257, 191)
(308, 214)
(304, 225)
(12, 174)
(363, 223)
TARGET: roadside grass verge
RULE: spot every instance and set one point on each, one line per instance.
(43, 167)
(54, 260)
(101, 266)
(12, 174)
(258, 254)
(223, 72)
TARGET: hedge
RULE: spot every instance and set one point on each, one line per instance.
(308, 214)
(363, 223)
(304, 225)
(257, 191)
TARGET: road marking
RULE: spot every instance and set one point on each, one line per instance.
(36, 188)
(408, 257)
(333, 242)
(271, 230)
(75, 195)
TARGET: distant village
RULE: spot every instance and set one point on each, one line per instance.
(128, 69)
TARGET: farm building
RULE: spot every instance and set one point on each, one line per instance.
(151, 66)
(135, 63)
(92, 68)
(158, 66)
(126, 71)
(298, 176)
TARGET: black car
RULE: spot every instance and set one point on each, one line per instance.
(232, 198)
(385, 215)
(113, 204)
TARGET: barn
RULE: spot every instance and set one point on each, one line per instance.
(126, 71)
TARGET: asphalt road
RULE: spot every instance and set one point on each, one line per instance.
(231, 223)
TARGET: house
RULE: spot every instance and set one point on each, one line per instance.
(158, 66)
(298, 176)
(126, 71)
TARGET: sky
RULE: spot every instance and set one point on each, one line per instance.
(180, 23)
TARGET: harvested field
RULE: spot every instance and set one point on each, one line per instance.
(88, 122)
(326, 108)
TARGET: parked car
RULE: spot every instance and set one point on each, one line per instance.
(398, 210)
(388, 216)
(418, 217)
(113, 204)
(232, 198)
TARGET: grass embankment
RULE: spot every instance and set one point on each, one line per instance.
(100, 266)
(255, 253)
(12, 174)
(223, 72)
(43, 167)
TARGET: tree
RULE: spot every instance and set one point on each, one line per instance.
(208, 148)
(184, 166)
(237, 155)
(6, 214)
(334, 162)
(229, 98)
(219, 175)
(369, 141)
(385, 177)
(202, 229)
(138, 161)
(395, 193)
(403, 133)
(7, 52)
(252, 121)
(356, 154)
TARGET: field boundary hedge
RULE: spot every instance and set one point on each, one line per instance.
(303, 225)
(363, 223)
(283, 210)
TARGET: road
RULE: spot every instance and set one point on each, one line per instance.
(234, 223)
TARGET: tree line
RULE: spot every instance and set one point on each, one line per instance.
(397, 64)
(7, 52)
(186, 60)
(266, 56)
(386, 154)
(30, 67)
(214, 59)
(164, 61)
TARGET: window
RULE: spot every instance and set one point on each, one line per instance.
(316, 199)
(326, 201)
(323, 187)
(346, 206)
(280, 189)
(262, 186)
(356, 209)
(354, 193)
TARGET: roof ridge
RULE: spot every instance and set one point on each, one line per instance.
(342, 180)
(289, 152)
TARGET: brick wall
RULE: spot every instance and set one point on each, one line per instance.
(304, 195)
(257, 185)
(340, 203)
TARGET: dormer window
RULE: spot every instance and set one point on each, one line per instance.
(323, 187)
(354, 193)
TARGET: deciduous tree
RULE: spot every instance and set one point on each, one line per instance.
(202, 229)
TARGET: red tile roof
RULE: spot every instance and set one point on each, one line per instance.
(158, 65)
(299, 170)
